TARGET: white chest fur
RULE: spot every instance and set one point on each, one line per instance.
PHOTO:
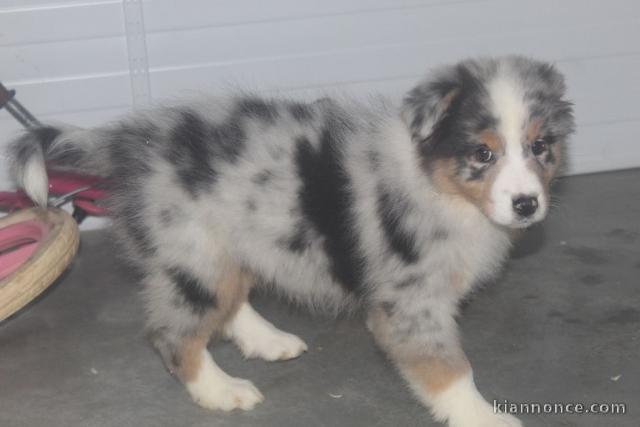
(477, 247)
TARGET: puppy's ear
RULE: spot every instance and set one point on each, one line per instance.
(426, 104)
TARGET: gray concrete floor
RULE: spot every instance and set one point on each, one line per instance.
(562, 321)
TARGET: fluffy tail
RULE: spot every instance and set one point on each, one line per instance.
(63, 148)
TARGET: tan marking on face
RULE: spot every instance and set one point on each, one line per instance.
(477, 192)
(492, 140)
(442, 176)
(231, 290)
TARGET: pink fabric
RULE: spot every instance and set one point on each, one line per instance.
(61, 183)
(89, 207)
(13, 200)
(65, 182)
(18, 242)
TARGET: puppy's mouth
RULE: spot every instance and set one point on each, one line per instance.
(516, 222)
(524, 223)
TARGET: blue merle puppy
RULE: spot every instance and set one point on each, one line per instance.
(399, 210)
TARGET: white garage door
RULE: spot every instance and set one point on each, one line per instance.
(69, 61)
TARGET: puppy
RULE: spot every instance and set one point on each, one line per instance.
(398, 210)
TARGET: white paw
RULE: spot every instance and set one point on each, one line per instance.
(227, 395)
(258, 338)
(481, 415)
(463, 406)
(276, 345)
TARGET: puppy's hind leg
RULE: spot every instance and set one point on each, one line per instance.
(256, 337)
(184, 312)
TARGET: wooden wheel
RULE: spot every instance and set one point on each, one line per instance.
(36, 246)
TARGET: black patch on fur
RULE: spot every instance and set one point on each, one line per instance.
(392, 207)
(24, 147)
(227, 140)
(196, 147)
(192, 290)
(22, 150)
(45, 136)
(262, 178)
(299, 241)
(326, 201)
(189, 152)
(265, 111)
(303, 113)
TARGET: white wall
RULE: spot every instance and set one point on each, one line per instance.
(68, 58)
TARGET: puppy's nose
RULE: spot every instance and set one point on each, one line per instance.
(525, 206)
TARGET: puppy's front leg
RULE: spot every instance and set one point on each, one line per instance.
(424, 345)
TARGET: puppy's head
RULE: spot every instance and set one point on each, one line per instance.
(492, 131)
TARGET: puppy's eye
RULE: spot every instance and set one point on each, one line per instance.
(539, 146)
(483, 155)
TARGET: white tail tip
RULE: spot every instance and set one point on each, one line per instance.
(35, 181)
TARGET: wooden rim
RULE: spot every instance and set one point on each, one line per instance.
(49, 261)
